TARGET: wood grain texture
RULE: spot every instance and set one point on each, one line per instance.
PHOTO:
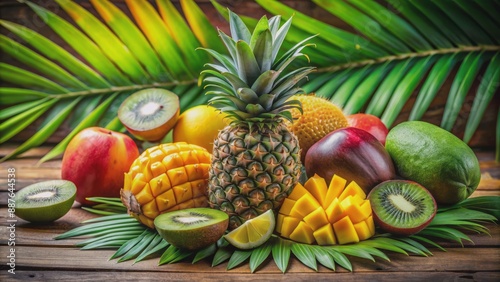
(41, 258)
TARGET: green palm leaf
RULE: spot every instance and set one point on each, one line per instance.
(112, 55)
(134, 240)
(415, 37)
(398, 49)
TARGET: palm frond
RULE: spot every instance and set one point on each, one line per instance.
(399, 50)
(402, 48)
(133, 240)
(114, 57)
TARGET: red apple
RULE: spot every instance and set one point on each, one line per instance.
(96, 160)
(369, 123)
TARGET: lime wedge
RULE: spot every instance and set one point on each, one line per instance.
(254, 232)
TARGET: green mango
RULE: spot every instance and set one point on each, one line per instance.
(435, 158)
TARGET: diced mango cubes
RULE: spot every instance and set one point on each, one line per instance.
(326, 215)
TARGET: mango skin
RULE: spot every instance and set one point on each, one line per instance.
(435, 158)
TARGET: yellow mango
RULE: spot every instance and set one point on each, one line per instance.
(316, 185)
(303, 234)
(297, 192)
(363, 230)
(279, 222)
(289, 225)
(352, 210)
(371, 224)
(316, 219)
(304, 206)
(366, 209)
(324, 235)
(166, 200)
(287, 206)
(352, 189)
(334, 211)
(337, 185)
(345, 232)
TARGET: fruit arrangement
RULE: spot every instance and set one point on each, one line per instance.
(236, 183)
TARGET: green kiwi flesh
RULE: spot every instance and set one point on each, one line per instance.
(45, 201)
(192, 229)
(402, 207)
(150, 114)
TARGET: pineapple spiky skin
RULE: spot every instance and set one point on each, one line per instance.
(253, 170)
(256, 159)
(165, 178)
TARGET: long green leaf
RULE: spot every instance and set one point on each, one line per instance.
(432, 84)
(108, 42)
(344, 92)
(421, 23)
(360, 21)
(383, 94)
(90, 120)
(45, 132)
(324, 258)
(202, 28)
(34, 60)
(19, 108)
(365, 89)
(462, 83)
(157, 33)
(440, 19)
(259, 255)
(305, 254)
(205, 253)
(132, 37)
(404, 90)
(57, 54)
(238, 257)
(82, 44)
(182, 35)
(15, 124)
(393, 23)
(281, 253)
(22, 77)
(487, 24)
(345, 40)
(462, 19)
(485, 93)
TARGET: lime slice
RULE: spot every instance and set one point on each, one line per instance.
(254, 232)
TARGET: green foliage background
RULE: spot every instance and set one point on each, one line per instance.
(396, 48)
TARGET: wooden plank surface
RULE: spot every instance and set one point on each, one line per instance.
(41, 258)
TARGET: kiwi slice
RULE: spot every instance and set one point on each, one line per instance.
(402, 207)
(45, 201)
(150, 114)
(192, 229)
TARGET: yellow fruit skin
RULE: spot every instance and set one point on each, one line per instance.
(164, 178)
(344, 216)
(319, 117)
(199, 125)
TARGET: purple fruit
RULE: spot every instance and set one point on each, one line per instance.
(353, 154)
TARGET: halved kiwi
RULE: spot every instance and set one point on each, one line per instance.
(402, 207)
(150, 114)
(45, 201)
(192, 229)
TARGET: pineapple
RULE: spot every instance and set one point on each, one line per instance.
(165, 178)
(255, 159)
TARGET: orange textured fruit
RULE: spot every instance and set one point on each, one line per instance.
(320, 117)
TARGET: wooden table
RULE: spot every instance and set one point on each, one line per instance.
(40, 258)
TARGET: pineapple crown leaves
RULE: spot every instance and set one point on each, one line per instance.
(253, 83)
